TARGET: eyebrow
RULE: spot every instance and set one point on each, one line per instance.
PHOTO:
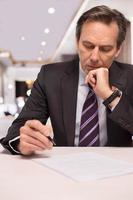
(90, 43)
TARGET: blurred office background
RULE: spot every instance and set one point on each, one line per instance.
(37, 32)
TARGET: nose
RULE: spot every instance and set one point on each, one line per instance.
(94, 57)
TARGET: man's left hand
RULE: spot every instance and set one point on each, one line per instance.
(99, 80)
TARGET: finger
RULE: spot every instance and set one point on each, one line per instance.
(37, 125)
(31, 140)
(27, 149)
(26, 131)
(87, 79)
(113, 88)
(91, 79)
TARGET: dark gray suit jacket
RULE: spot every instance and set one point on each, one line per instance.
(54, 95)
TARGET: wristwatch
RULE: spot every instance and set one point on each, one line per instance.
(114, 95)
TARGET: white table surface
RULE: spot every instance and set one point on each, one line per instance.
(21, 178)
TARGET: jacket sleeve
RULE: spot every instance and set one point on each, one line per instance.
(36, 107)
(123, 112)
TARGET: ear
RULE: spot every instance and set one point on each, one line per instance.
(77, 42)
(77, 45)
(118, 51)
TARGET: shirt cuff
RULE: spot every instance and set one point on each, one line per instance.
(12, 144)
(116, 104)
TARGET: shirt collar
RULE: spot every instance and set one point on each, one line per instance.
(82, 76)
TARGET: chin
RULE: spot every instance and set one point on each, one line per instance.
(89, 68)
(86, 70)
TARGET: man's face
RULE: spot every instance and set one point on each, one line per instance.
(97, 46)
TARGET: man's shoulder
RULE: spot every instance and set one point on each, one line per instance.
(125, 68)
(61, 66)
(55, 71)
(124, 65)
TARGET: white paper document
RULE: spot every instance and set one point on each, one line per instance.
(86, 166)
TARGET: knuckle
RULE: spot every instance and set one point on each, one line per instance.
(36, 122)
(27, 122)
(22, 137)
(22, 129)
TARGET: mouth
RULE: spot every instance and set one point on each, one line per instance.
(90, 67)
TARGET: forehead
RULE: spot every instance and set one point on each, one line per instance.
(99, 32)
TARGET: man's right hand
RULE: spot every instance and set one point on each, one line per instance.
(33, 137)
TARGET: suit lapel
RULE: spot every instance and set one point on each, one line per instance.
(116, 77)
(69, 85)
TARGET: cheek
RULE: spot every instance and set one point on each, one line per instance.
(84, 55)
(107, 59)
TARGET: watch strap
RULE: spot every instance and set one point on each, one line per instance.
(114, 95)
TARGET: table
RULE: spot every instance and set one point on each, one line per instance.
(21, 178)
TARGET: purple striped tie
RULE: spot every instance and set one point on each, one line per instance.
(89, 127)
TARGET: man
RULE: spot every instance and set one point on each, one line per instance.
(61, 88)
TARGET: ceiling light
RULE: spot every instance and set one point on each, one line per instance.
(22, 38)
(51, 10)
(39, 58)
(43, 43)
(46, 30)
(10, 86)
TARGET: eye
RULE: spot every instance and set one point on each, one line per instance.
(106, 48)
(89, 46)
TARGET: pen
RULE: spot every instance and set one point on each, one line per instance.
(51, 140)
